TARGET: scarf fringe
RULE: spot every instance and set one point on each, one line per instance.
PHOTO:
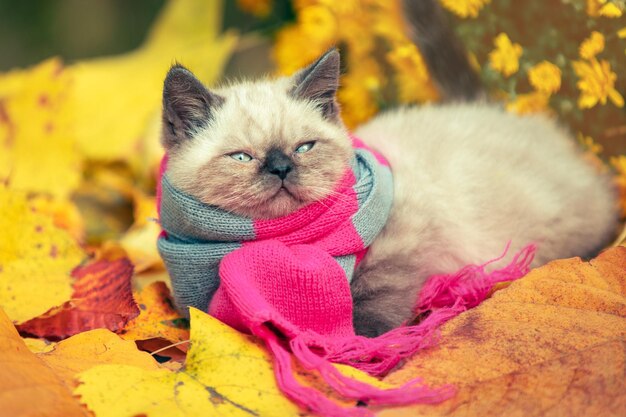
(445, 296)
(309, 398)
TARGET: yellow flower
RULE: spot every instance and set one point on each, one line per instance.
(592, 46)
(610, 10)
(597, 8)
(596, 83)
(411, 76)
(289, 52)
(535, 102)
(318, 23)
(545, 77)
(259, 8)
(505, 58)
(465, 8)
(589, 144)
(622, 33)
(359, 89)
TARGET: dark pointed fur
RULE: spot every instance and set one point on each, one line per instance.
(187, 106)
(319, 82)
(443, 52)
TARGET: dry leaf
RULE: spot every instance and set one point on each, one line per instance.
(38, 345)
(27, 386)
(102, 298)
(226, 374)
(36, 259)
(105, 201)
(38, 152)
(106, 91)
(95, 347)
(157, 318)
(551, 344)
(64, 213)
(140, 240)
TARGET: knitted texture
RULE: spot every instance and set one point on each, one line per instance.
(286, 281)
(198, 236)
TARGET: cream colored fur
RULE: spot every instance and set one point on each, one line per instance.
(468, 179)
(256, 118)
(471, 177)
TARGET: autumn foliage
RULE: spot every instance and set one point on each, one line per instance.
(87, 325)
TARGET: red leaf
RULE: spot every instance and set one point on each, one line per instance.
(102, 299)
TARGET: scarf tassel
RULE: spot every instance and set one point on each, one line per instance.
(444, 296)
(347, 387)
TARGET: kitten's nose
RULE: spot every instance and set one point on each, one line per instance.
(281, 171)
(279, 164)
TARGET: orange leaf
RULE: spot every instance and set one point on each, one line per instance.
(552, 343)
(27, 386)
(95, 347)
(158, 318)
(102, 298)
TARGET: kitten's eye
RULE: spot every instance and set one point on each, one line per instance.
(241, 156)
(305, 147)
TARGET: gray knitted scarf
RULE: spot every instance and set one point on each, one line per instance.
(197, 236)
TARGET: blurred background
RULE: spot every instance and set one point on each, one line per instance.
(80, 83)
(276, 30)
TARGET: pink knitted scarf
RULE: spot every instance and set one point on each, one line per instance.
(288, 287)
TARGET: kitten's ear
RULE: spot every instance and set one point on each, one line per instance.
(187, 106)
(319, 82)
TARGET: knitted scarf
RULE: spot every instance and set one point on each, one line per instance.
(286, 281)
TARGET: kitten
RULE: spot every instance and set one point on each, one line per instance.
(469, 177)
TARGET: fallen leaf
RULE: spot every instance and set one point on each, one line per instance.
(95, 347)
(37, 141)
(64, 213)
(102, 298)
(104, 198)
(117, 98)
(38, 345)
(140, 240)
(27, 386)
(36, 259)
(551, 344)
(157, 318)
(226, 373)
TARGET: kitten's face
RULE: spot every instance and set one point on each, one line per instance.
(265, 151)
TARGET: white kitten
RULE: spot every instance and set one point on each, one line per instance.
(469, 177)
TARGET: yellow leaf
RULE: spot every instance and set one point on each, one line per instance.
(116, 98)
(36, 136)
(36, 259)
(27, 386)
(226, 374)
(95, 347)
(38, 345)
(551, 344)
(140, 240)
(157, 317)
(64, 213)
